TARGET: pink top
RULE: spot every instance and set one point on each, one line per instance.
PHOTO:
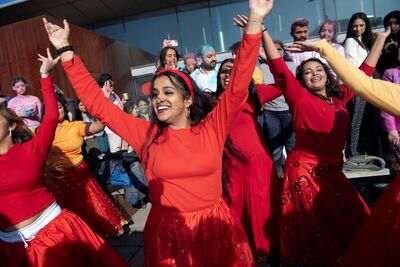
(22, 194)
(390, 122)
(28, 107)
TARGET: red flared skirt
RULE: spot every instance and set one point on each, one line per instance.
(321, 211)
(66, 241)
(377, 243)
(255, 194)
(78, 191)
(208, 237)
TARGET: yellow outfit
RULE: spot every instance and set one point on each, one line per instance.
(384, 95)
(66, 150)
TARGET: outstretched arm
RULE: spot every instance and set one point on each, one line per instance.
(44, 137)
(131, 129)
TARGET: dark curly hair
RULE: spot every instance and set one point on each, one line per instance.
(333, 88)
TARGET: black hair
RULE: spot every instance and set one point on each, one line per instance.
(367, 38)
(163, 54)
(332, 87)
(142, 98)
(198, 111)
(61, 99)
(129, 106)
(103, 78)
(18, 79)
(21, 132)
(234, 48)
(286, 55)
(299, 22)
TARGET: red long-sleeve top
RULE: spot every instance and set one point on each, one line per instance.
(184, 171)
(320, 128)
(245, 132)
(22, 194)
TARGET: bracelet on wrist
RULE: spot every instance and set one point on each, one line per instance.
(265, 29)
(64, 49)
(44, 73)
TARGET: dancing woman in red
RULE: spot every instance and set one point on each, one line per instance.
(71, 180)
(34, 231)
(189, 223)
(254, 189)
(321, 211)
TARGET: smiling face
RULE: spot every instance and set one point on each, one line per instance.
(314, 77)
(224, 74)
(170, 60)
(20, 87)
(358, 27)
(169, 104)
(143, 106)
(327, 32)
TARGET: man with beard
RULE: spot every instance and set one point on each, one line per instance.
(206, 75)
(299, 32)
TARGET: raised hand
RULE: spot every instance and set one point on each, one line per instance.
(58, 36)
(383, 34)
(298, 46)
(260, 8)
(240, 21)
(48, 63)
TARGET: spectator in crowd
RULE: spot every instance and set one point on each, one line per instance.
(206, 75)
(4, 100)
(25, 106)
(299, 32)
(169, 57)
(390, 53)
(190, 61)
(279, 134)
(189, 223)
(34, 230)
(142, 104)
(364, 125)
(327, 31)
(106, 84)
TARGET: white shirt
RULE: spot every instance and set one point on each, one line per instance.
(354, 51)
(206, 81)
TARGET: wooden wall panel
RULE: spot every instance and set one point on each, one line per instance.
(21, 41)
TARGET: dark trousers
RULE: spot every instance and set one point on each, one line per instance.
(278, 134)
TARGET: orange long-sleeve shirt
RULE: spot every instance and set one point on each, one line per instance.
(184, 172)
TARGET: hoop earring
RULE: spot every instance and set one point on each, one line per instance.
(10, 132)
(187, 110)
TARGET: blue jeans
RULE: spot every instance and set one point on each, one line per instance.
(278, 134)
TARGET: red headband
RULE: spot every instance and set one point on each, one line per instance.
(184, 77)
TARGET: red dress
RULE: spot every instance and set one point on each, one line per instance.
(321, 211)
(76, 188)
(254, 189)
(378, 241)
(189, 224)
(64, 241)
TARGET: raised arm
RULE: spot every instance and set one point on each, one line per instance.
(236, 93)
(384, 95)
(131, 129)
(44, 137)
(267, 92)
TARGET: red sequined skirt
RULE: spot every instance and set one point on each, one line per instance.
(255, 194)
(78, 191)
(378, 241)
(66, 241)
(208, 237)
(321, 211)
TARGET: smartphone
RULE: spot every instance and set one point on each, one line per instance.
(173, 42)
